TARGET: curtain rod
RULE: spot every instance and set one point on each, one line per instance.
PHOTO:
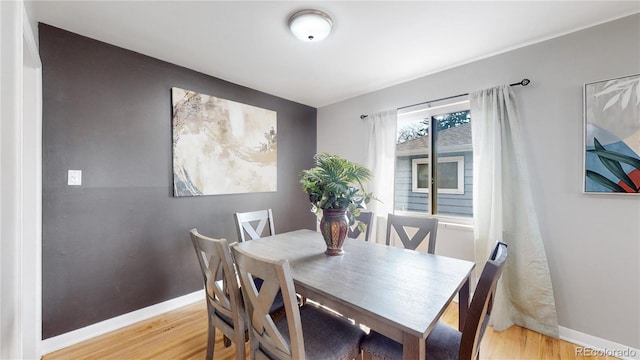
(523, 82)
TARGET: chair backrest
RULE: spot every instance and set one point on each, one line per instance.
(482, 303)
(366, 218)
(253, 225)
(220, 280)
(267, 341)
(426, 227)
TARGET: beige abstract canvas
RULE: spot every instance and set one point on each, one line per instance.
(222, 146)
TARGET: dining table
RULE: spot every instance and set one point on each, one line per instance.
(397, 292)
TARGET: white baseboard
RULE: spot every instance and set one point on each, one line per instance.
(76, 336)
(598, 346)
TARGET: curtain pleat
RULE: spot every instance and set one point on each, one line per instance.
(503, 211)
(381, 147)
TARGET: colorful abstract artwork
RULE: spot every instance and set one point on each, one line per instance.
(612, 136)
(222, 146)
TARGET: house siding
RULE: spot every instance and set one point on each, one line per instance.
(448, 204)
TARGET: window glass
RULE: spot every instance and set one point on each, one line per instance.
(453, 169)
(448, 175)
(423, 175)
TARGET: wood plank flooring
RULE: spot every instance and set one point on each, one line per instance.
(182, 334)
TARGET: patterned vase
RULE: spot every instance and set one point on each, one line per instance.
(334, 226)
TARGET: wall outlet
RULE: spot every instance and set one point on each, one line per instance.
(74, 177)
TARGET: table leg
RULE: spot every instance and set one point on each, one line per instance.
(412, 347)
(463, 304)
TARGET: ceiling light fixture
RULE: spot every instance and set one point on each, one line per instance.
(310, 25)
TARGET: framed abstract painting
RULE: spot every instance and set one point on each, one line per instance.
(222, 146)
(612, 136)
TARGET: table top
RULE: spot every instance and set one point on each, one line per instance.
(394, 291)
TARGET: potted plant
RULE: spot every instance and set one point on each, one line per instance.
(336, 191)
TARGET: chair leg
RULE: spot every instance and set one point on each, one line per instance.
(211, 341)
(241, 347)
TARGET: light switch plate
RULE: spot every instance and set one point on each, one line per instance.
(74, 177)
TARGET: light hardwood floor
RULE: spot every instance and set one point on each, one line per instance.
(182, 334)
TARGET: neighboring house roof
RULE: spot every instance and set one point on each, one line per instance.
(449, 140)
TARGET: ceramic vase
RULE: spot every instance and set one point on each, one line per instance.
(334, 226)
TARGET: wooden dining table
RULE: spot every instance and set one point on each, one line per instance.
(397, 292)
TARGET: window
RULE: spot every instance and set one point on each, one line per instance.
(450, 175)
(416, 174)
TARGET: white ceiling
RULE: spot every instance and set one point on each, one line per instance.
(374, 44)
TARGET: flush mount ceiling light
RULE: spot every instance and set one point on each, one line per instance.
(310, 25)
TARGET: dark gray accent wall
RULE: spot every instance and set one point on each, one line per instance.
(119, 242)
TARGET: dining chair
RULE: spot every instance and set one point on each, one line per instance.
(366, 218)
(224, 302)
(445, 342)
(252, 224)
(426, 227)
(306, 332)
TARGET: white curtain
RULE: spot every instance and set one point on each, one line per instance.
(381, 147)
(503, 211)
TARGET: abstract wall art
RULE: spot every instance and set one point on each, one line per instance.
(612, 136)
(221, 146)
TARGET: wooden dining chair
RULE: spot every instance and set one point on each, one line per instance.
(224, 302)
(365, 217)
(253, 225)
(445, 342)
(306, 332)
(426, 228)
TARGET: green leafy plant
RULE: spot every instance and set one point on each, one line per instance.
(336, 183)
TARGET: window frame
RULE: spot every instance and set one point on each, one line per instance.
(459, 190)
(432, 110)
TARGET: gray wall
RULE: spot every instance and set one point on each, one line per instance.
(120, 241)
(592, 241)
